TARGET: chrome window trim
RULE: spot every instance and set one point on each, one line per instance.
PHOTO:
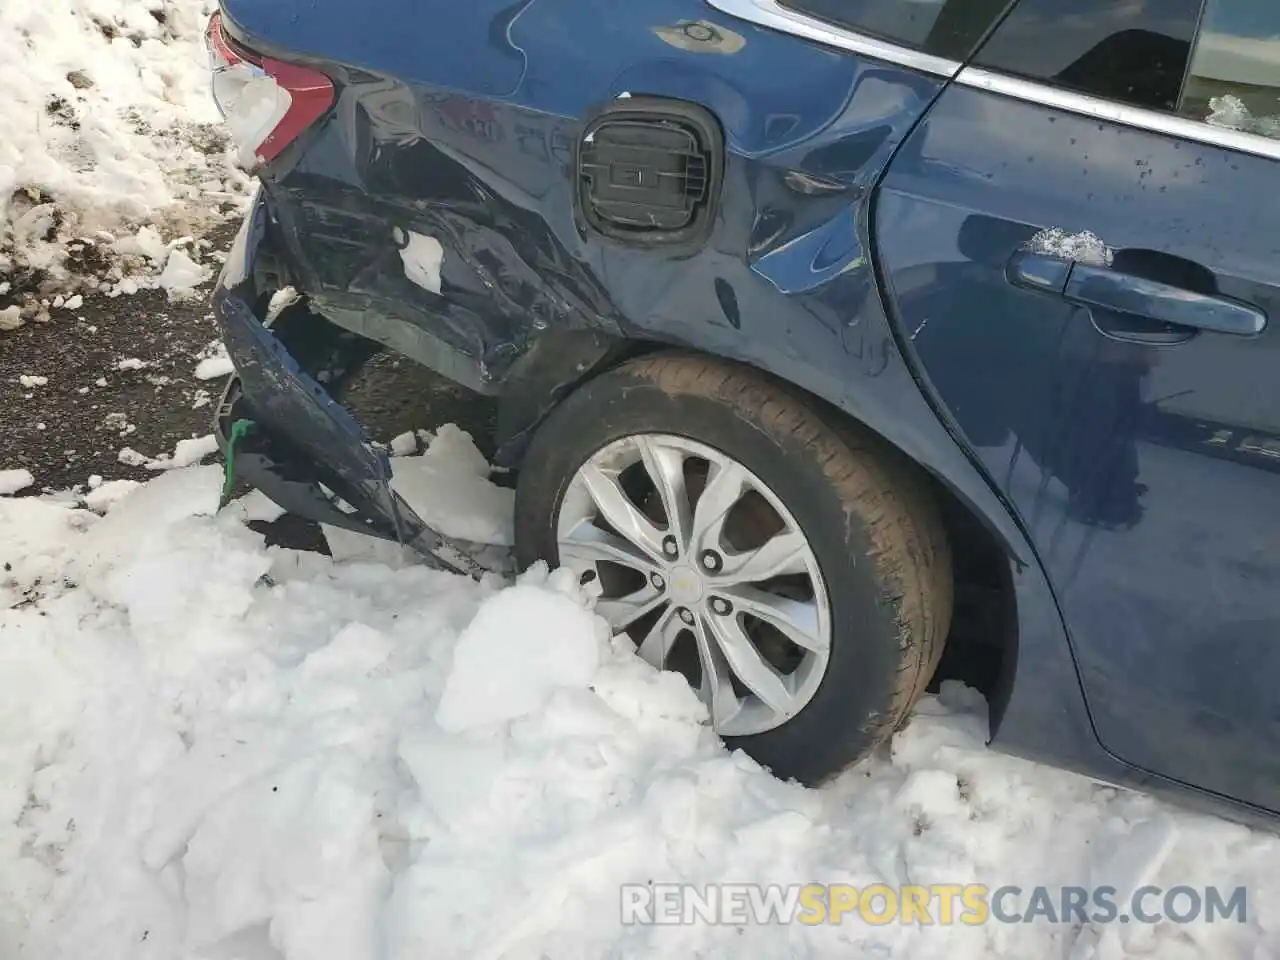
(1167, 123)
(770, 13)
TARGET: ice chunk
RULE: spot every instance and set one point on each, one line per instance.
(11, 481)
(1085, 247)
(500, 673)
(181, 275)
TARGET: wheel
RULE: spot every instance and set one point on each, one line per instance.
(798, 576)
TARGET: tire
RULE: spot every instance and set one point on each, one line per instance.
(866, 512)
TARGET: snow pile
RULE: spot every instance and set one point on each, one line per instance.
(213, 749)
(111, 141)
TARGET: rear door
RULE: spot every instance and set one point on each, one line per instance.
(1081, 243)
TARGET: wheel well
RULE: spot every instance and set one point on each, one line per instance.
(981, 646)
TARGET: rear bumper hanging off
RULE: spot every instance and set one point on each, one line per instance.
(305, 451)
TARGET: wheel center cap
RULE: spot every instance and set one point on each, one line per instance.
(684, 585)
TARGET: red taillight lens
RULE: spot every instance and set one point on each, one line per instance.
(266, 103)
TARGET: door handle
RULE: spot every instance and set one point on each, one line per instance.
(1103, 287)
(1095, 285)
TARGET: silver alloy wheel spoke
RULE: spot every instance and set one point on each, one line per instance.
(665, 466)
(749, 666)
(782, 554)
(796, 619)
(726, 483)
(660, 638)
(607, 529)
(715, 689)
(617, 508)
(587, 545)
(622, 612)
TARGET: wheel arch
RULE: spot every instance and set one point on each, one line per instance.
(982, 647)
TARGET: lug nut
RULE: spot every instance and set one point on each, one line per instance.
(721, 606)
(670, 547)
(686, 615)
(657, 581)
(711, 561)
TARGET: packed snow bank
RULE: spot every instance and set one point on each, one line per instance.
(111, 143)
(211, 749)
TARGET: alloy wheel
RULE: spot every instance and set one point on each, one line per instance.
(703, 566)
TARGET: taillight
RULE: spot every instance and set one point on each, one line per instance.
(266, 103)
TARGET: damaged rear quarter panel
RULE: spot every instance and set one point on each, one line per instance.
(784, 283)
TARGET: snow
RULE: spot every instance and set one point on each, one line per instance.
(422, 257)
(404, 444)
(11, 481)
(1084, 247)
(1231, 112)
(111, 136)
(31, 380)
(186, 453)
(214, 749)
(182, 275)
(214, 363)
(500, 674)
(448, 486)
(131, 363)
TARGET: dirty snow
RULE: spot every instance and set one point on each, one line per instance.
(111, 145)
(213, 749)
(1085, 247)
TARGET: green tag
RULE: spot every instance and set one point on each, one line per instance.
(239, 430)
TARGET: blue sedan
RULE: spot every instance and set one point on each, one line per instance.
(839, 346)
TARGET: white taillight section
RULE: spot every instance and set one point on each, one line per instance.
(266, 103)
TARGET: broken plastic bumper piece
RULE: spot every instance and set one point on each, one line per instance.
(304, 451)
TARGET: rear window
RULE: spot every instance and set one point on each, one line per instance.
(943, 28)
(1132, 51)
(1234, 80)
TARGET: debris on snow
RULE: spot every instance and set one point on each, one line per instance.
(1085, 247)
(11, 481)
